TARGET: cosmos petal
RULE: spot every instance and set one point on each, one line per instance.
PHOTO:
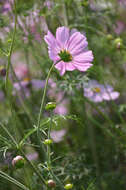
(49, 39)
(83, 67)
(61, 67)
(84, 57)
(62, 35)
(77, 41)
(111, 96)
(70, 66)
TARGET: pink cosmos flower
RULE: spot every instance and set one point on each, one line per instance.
(61, 108)
(97, 92)
(69, 49)
(32, 156)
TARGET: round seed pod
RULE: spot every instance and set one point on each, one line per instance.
(68, 186)
(18, 162)
(51, 183)
(50, 106)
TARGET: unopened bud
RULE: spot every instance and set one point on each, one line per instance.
(51, 183)
(118, 43)
(68, 186)
(18, 162)
(109, 37)
(48, 141)
(50, 106)
(85, 3)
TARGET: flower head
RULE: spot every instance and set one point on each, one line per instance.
(69, 49)
(98, 92)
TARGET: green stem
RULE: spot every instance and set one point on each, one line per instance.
(48, 146)
(114, 105)
(33, 167)
(57, 179)
(42, 104)
(30, 163)
(12, 180)
(11, 47)
(43, 97)
(26, 110)
(99, 111)
(49, 158)
(30, 133)
(11, 137)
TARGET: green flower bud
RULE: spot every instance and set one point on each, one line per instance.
(9, 40)
(50, 106)
(109, 37)
(68, 186)
(18, 162)
(118, 43)
(85, 3)
(51, 183)
(48, 141)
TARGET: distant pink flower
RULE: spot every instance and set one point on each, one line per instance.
(24, 86)
(21, 70)
(57, 136)
(2, 96)
(61, 108)
(48, 4)
(122, 2)
(98, 92)
(5, 7)
(120, 27)
(70, 49)
(32, 156)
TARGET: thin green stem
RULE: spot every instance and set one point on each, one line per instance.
(48, 146)
(49, 158)
(30, 163)
(57, 179)
(99, 111)
(43, 97)
(30, 133)
(11, 47)
(96, 123)
(11, 137)
(20, 97)
(12, 180)
(33, 167)
(114, 105)
(42, 104)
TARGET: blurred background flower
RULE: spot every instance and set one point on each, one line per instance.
(98, 92)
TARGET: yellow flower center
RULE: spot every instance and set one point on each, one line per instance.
(27, 79)
(96, 89)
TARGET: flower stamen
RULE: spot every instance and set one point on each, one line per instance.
(65, 55)
(96, 89)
